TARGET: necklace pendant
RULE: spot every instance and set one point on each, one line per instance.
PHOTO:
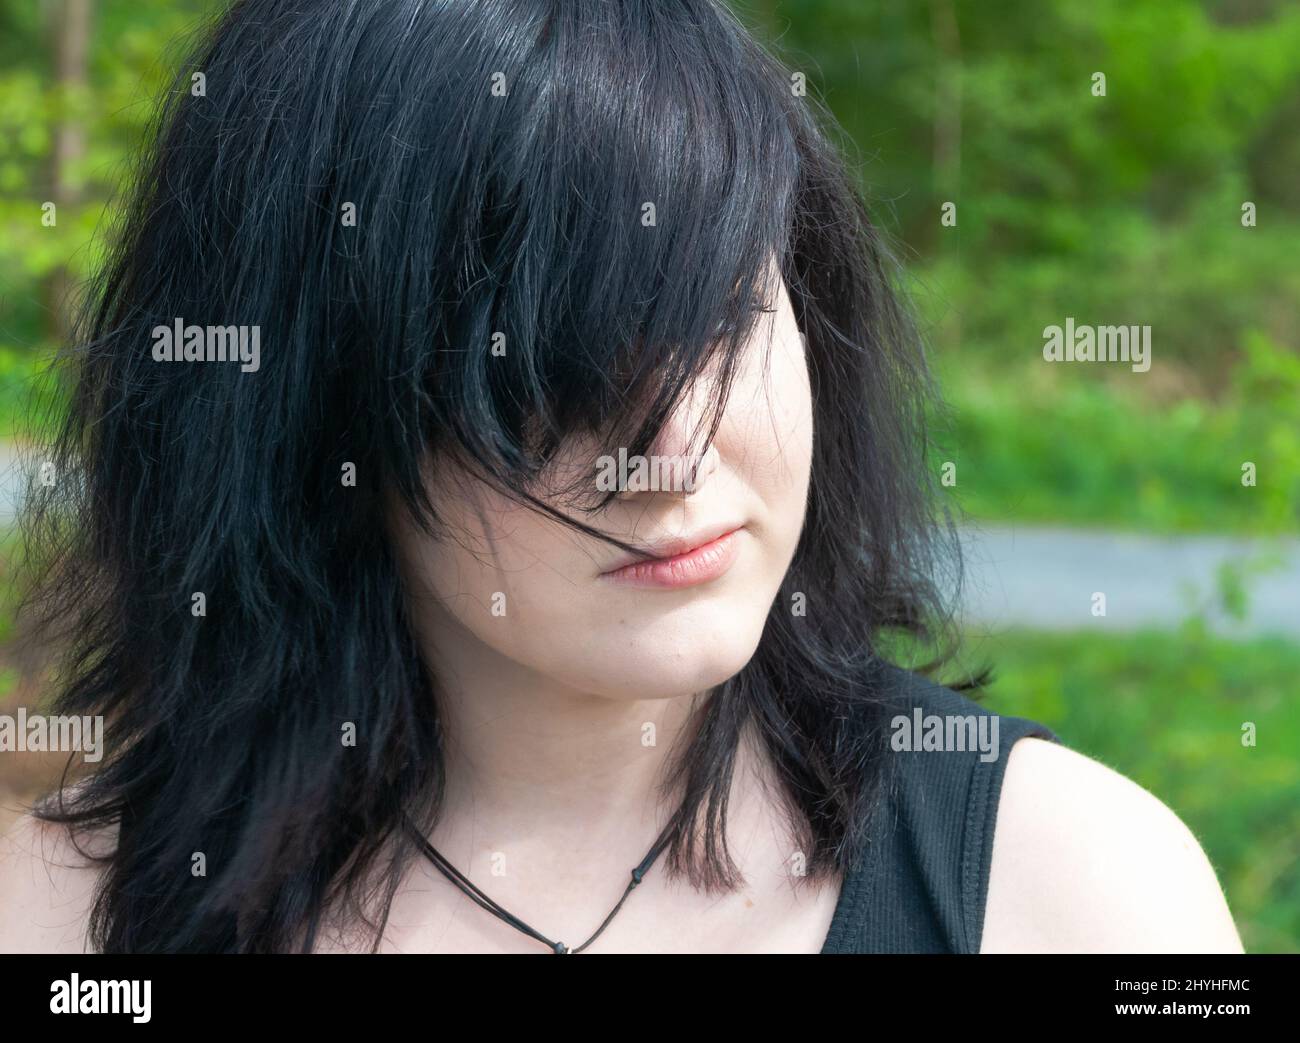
(561, 949)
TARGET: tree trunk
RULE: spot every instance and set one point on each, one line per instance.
(71, 41)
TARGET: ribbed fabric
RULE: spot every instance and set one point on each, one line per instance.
(923, 881)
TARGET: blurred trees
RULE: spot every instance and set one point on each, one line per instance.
(77, 83)
(1126, 207)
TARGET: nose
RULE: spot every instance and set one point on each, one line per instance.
(672, 466)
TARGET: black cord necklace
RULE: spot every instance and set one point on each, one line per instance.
(481, 899)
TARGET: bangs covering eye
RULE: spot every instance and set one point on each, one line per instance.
(616, 243)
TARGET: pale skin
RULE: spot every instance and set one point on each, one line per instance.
(549, 707)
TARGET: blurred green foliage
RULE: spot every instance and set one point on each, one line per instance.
(1115, 210)
(134, 48)
(1038, 443)
(1125, 207)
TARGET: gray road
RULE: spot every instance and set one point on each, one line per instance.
(1046, 578)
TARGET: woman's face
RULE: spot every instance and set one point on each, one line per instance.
(527, 597)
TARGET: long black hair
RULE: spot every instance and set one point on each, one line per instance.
(384, 190)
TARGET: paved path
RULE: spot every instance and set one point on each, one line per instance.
(1045, 578)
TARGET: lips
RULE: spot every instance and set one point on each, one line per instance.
(683, 562)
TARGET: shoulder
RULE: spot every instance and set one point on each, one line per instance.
(47, 889)
(1086, 860)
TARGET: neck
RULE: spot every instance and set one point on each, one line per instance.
(529, 758)
(553, 795)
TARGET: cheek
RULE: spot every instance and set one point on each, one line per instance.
(489, 565)
(516, 581)
(796, 408)
(774, 440)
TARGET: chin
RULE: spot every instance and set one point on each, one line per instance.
(681, 661)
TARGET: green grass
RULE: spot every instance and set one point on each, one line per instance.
(1073, 445)
(1167, 710)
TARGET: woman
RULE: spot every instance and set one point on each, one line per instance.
(555, 516)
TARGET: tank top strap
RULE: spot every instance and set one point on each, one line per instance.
(922, 882)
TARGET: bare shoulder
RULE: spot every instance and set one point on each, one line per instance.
(1086, 860)
(46, 888)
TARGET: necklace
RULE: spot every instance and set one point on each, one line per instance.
(481, 899)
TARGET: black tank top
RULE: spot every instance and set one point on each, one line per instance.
(922, 882)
